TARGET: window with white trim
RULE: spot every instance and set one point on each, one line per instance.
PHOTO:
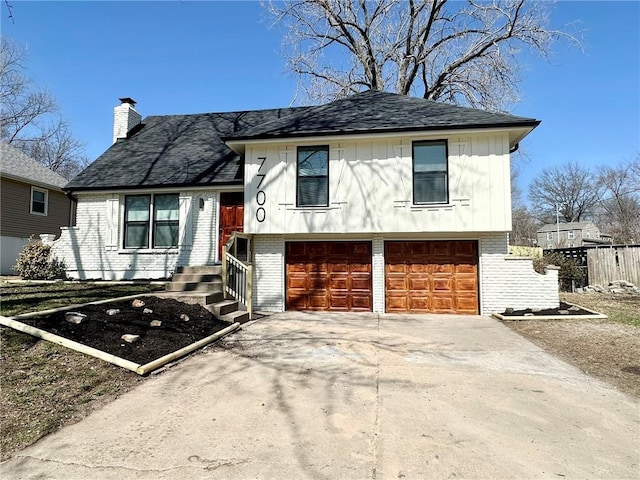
(549, 235)
(571, 235)
(39, 201)
(151, 220)
(313, 176)
(430, 172)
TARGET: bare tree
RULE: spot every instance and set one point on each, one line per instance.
(571, 188)
(56, 148)
(457, 52)
(29, 117)
(619, 213)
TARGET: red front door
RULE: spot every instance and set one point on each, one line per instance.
(231, 216)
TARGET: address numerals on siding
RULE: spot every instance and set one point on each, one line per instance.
(261, 197)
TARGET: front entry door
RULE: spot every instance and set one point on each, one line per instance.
(231, 217)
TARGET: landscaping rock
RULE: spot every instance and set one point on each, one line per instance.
(184, 317)
(155, 323)
(147, 310)
(137, 303)
(529, 315)
(113, 311)
(74, 317)
(127, 337)
(563, 312)
(573, 308)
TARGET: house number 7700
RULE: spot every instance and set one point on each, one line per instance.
(261, 197)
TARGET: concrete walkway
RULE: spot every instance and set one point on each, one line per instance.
(362, 396)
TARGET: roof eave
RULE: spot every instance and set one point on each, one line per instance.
(30, 181)
(116, 188)
(236, 142)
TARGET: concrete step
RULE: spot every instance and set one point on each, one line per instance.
(196, 298)
(211, 287)
(200, 269)
(237, 316)
(195, 277)
(224, 307)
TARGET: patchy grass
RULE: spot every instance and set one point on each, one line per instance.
(607, 349)
(44, 386)
(24, 297)
(620, 308)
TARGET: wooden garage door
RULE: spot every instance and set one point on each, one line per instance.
(431, 277)
(332, 276)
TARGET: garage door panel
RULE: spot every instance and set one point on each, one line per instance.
(432, 276)
(419, 283)
(466, 285)
(361, 283)
(338, 267)
(443, 284)
(336, 276)
(466, 304)
(338, 282)
(419, 304)
(418, 268)
(396, 303)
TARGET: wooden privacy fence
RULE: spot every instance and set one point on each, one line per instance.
(617, 262)
(605, 263)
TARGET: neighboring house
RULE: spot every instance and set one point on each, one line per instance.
(32, 202)
(571, 234)
(377, 202)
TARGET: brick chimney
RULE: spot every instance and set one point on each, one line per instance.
(125, 118)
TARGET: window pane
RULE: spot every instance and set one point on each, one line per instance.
(136, 235)
(38, 196)
(137, 208)
(430, 157)
(313, 161)
(312, 191)
(167, 207)
(430, 187)
(166, 235)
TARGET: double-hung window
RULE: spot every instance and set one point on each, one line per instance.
(39, 201)
(430, 173)
(151, 220)
(313, 177)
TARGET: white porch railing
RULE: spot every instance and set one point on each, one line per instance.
(237, 270)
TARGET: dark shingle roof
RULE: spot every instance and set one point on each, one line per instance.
(189, 150)
(15, 164)
(174, 150)
(375, 111)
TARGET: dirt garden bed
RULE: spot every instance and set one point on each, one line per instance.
(140, 330)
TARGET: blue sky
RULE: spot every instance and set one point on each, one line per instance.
(188, 57)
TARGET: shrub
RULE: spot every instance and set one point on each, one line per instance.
(570, 274)
(35, 263)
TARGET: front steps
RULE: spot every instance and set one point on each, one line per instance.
(203, 285)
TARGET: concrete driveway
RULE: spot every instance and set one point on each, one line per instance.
(362, 396)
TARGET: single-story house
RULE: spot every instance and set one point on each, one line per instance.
(31, 203)
(376, 202)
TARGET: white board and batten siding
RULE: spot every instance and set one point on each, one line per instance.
(371, 188)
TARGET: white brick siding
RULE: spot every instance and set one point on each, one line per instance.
(377, 270)
(508, 281)
(91, 250)
(268, 276)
